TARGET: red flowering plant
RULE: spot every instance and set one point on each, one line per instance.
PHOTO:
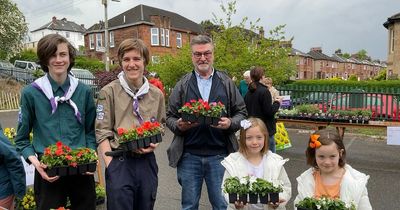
(147, 129)
(85, 155)
(57, 155)
(201, 107)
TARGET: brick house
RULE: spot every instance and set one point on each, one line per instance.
(393, 60)
(324, 66)
(304, 64)
(163, 32)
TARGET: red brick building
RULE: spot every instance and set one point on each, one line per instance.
(163, 32)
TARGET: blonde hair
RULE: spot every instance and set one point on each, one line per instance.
(255, 122)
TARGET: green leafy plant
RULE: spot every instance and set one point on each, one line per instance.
(324, 203)
(85, 155)
(231, 185)
(56, 155)
(260, 186)
(100, 191)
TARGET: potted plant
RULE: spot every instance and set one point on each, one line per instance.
(323, 203)
(231, 186)
(244, 189)
(55, 157)
(202, 112)
(273, 191)
(86, 159)
(100, 194)
(27, 202)
(260, 187)
(139, 137)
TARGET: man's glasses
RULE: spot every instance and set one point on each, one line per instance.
(198, 55)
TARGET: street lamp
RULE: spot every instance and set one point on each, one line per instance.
(106, 39)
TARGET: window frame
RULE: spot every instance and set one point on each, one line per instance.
(154, 36)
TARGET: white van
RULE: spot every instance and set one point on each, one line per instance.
(27, 65)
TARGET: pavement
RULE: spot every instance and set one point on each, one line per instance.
(369, 155)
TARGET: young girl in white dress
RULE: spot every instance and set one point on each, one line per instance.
(255, 159)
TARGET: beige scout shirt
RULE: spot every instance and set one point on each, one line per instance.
(115, 110)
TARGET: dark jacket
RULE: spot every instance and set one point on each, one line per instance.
(12, 173)
(259, 104)
(236, 111)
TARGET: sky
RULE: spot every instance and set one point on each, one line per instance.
(349, 25)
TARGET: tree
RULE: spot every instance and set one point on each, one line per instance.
(362, 55)
(13, 28)
(236, 50)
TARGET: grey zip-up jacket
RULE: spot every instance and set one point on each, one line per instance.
(236, 111)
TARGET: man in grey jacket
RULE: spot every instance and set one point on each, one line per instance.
(198, 149)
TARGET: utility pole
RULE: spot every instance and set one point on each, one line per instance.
(106, 35)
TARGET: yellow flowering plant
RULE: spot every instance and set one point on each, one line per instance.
(27, 202)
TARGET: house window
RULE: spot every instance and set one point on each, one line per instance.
(162, 35)
(178, 40)
(392, 40)
(67, 34)
(99, 41)
(154, 36)
(167, 37)
(112, 44)
(91, 41)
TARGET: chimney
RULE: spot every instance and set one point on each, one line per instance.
(316, 49)
(64, 19)
(261, 33)
(54, 19)
(83, 25)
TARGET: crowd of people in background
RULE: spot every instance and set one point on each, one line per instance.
(58, 107)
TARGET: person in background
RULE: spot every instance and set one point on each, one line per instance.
(267, 81)
(255, 160)
(198, 149)
(12, 174)
(330, 175)
(131, 177)
(244, 84)
(259, 104)
(57, 107)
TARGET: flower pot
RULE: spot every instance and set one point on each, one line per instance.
(72, 170)
(153, 139)
(129, 146)
(100, 201)
(215, 121)
(253, 198)
(140, 143)
(189, 117)
(243, 198)
(274, 197)
(159, 138)
(51, 172)
(82, 168)
(62, 170)
(201, 119)
(146, 141)
(208, 120)
(263, 198)
(232, 197)
(91, 167)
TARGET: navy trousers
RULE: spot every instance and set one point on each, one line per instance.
(131, 182)
(79, 188)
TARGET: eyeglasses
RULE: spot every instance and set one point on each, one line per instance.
(206, 54)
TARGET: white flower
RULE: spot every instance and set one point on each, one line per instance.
(252, 179)
(243, 180)
(318, 206)
(245, 124)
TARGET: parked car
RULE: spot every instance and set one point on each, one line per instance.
(5, 64)
(84, 76)
(87, 78)
(27, 65)
(382, 106)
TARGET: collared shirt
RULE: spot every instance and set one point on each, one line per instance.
(35, 115)
(204, 85)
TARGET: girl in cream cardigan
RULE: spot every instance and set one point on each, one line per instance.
(329, 175)
(255, 159)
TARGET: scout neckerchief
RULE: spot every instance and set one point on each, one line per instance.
(43, 84)
(136, 97)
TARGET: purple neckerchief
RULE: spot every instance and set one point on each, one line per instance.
(143, 90)
(43, 85)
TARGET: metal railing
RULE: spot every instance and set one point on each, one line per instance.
(384, 104)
